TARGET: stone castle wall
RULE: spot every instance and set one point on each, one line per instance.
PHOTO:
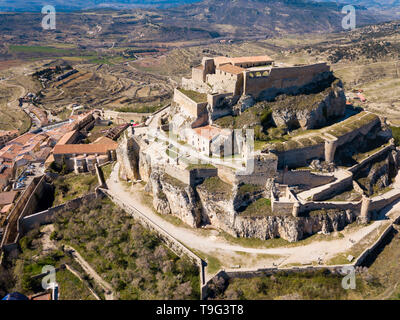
(282, 79)
(303, 177)
(300, 157)
(193, 108)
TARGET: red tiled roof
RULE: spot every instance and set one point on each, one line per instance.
(65, 139)
(207, 132)
(231, 69)
(7, 197)
(83, 148)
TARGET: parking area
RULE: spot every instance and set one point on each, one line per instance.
(25, 178)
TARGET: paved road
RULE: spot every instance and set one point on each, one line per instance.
(195, 240)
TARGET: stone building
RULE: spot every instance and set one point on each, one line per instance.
(211, 141)
(84, 157)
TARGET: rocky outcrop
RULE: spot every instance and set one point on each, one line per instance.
(128, 157)
(217, 208)
(244, 103)
(292, 228)
(378, 177)
(310, 111)
(170, 196)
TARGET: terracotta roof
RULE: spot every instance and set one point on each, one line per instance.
(83, 148)
(207, 132)
(8, 133)
(106, 141)
(251, 59)
(6, 208)
(231, 69)
(7, 197)
(66, 138)
(41, 296)
(23, 139)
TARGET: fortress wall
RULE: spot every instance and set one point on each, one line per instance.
(215, 100)
(24, 206)
(303, 177)
(221, 81)
(190, 106)
(300, 157)
(380, 202)
(348, 137)
(198, 75)
(258, 170)
(227, 175)
(282, 78)
(179, 174)
(124, 117)
(190, 177)
(335, 188)
(371, 158)
(313, 205)
(204, 173)
(41, 218)
(281, 207)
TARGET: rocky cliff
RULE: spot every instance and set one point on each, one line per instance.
(290, 228)
(310, 111)
(170, 196)
(128, 157)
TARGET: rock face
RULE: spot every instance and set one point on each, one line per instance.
(244, 103)
(310, 111)
(197, 206)
(290, 228)
(217, 208)
(128, 158)
(379, 176)
(170, 196)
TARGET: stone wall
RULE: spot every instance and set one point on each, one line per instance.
(190, 177)
(300, 157)
(313, 205)
(286, 80)
(124, 117)
(191, 107)
(31, 221)
(334, 188)
(25, 205)
(303, 177)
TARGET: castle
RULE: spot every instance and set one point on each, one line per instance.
(294, 184)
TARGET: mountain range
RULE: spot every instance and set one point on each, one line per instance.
(72, 5)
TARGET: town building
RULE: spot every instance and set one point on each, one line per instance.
(6, 136)
(84, 157)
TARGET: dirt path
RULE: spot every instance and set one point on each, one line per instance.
(108, 291)
(299, 254)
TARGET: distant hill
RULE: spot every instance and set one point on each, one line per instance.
(73, 5)
(205, 20)
(270, 16)
(374, 4)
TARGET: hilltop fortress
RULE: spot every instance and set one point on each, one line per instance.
(221, 83)
(313, 164)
